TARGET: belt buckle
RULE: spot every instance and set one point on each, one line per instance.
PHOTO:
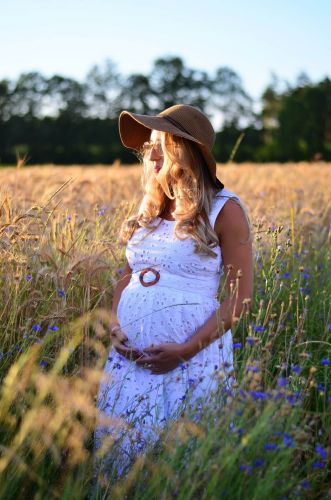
(149, 283)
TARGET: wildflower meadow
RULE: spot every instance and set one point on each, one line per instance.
(60, 261)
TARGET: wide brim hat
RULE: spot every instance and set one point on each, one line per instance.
(181, 120)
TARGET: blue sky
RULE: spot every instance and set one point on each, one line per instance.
(253, 37)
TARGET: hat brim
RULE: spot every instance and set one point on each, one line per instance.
(135, 129)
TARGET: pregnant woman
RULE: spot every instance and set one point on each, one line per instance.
(172, 341)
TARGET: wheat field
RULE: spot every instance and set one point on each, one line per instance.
(59, 263)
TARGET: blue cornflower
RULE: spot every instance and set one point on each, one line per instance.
(101, 212)
(36, 328)
(328, 326)
(321, 451)
(258, 462)
(43, 363)
(259, 395)
(61, 293)
(321, 387)
(282, 382)
(306, 276)
(259, 328)
(287, 275)
(250, 341)
(271, 446)
(54, 328)
(237, 345)
(296, 368)
(28, 277)
(254, 369)
(305, 484)
(318, 465)
(291, 398)
(69, 218)
(288, 440)
(325, 361)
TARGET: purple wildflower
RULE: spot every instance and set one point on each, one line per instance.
(325, 361)
(318, 465)
(286, 275)
(258, 395)
(259, 328)
(321, 387)
(36, 328)
(328, 326)
(282, 382)
(43, 363)
(54, 328)
(61, 293)
(321, 451)
(237, 345)
(254, 369)
(271, 446)
(296, 368)
(305, 484)
(258, 462)
(250, 341)
(288, 440)
(28, 277)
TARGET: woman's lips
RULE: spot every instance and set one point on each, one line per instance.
(157, 168)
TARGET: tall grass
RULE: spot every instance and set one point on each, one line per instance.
(60, 261)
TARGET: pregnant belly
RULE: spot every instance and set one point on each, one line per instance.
(154, 315)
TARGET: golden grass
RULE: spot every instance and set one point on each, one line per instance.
(267, 189)
(52, 228)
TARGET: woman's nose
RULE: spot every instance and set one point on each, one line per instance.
(155, 154)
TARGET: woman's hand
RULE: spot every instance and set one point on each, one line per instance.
(163, 358)
(120, 343)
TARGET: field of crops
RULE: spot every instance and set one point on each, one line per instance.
(60, 261)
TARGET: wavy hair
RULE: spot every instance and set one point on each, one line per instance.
(184, 176)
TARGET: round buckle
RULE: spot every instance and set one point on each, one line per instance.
(149, 283)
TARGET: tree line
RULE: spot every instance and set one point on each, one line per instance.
(61, 120)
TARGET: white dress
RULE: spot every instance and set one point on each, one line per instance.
(171, 310)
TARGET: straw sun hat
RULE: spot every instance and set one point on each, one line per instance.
(180, 120)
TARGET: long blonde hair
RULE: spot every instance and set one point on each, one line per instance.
(185, 177)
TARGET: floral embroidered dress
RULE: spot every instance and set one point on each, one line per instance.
(171, 310)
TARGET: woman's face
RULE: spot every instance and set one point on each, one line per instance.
(156, 154)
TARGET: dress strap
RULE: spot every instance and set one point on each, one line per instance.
(219, 201)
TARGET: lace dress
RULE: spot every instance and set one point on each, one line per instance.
(171, 310)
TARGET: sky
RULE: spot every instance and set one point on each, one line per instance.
(255, 38)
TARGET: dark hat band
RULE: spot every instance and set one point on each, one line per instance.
(177, 124)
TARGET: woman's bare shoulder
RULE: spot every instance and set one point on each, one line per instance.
(231, 222)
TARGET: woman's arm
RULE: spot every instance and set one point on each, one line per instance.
(237, 255)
